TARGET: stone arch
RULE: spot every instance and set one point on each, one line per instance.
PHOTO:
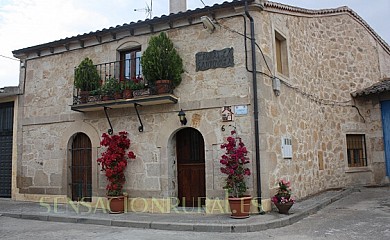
(190, 155)
(68, 135)
(81, 168)
(128, 45)
(166, 142)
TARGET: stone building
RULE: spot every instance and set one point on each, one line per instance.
(293, 108)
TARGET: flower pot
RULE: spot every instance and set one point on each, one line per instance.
(127, 93)
(106, 98)
(163, 86)
(94, 98)
(84, 95)
(118, 95)
(284, 207)
(240, 207)
(116, 204)
(141, 92)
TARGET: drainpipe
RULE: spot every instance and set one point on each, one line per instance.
(255, 106)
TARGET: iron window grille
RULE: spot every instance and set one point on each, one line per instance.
(356, 150)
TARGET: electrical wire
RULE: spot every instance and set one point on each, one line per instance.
(318, 100)
(9, 58)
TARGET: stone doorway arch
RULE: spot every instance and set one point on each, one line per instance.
(191, 177)
(81, 168)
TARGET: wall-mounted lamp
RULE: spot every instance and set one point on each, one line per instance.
(208, 24)
(182, 117)
(276, 85)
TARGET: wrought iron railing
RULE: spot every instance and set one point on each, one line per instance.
(114, 78)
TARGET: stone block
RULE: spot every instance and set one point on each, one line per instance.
(51, 166)
(36, 190)
(172, 226)
(56, 180)
(41, 178)
(24, 182)
(152, 169)
(54, 191)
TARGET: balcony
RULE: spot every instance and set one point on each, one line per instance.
(120, 85)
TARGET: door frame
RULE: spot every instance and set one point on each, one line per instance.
(385, 108)
(88, 191)
(10, 134)
(191, 168)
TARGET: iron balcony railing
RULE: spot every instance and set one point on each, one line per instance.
(114, 77)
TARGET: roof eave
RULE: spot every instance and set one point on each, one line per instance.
(133, 25)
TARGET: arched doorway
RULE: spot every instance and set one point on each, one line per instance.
(190, 167)
(81, 168)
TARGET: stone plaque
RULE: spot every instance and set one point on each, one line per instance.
(215, 59)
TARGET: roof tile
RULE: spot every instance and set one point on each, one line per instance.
(380, 87)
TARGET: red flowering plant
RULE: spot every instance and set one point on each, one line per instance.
(234, 160)
(284, 193)
(113, 161)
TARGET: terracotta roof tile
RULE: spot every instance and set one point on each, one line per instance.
(380, 87)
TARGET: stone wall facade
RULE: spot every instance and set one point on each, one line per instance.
(49, 124)
(329, 56)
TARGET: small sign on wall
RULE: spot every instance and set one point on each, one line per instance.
(227, 114)
(241, 110)
(287, 147)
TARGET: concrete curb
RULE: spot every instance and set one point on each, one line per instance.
(196, 227)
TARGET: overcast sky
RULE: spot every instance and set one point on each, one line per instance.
(25, 23)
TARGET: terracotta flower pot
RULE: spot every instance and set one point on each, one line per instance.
(284, 207)
(116, 204)
(84, 95)
(163, 86)
(240, 207)
(118, 95)
(127, 94)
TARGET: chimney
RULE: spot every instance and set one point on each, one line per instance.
(176, 6)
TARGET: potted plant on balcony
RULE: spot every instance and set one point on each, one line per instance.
(113, 162)
(126, 89)
(95, 95)
(139, 88)
(234, 160)
(162, 66)
(282, 199)
(86, 78)
(109, 89)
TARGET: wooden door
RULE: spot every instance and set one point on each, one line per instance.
(190, 167)
(81, 168)
(385, 108)
(6, 131)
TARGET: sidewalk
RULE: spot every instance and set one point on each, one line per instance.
(198, 222)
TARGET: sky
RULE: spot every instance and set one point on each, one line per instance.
(26, 23)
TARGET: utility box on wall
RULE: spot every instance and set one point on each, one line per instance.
(286, 147)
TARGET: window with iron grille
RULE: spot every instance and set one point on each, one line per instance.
(131, 64)
(356, 150)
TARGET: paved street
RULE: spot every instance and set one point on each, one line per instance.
(361, 215)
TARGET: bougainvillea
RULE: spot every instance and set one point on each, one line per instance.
(113, 161)
(284, 193)
(233, 162)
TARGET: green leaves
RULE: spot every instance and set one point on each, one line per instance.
(161, 61)
(86, 76)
